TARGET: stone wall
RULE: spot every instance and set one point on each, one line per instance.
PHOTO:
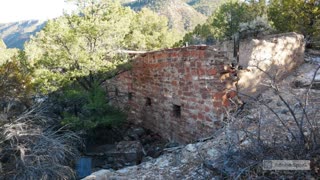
(179, 93)
(275, 55)
(182, 93)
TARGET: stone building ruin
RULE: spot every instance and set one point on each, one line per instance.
(182, 93)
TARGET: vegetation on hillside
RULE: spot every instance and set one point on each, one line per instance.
(234, 17)
(206, 7)
(225, 22)
(6, 53)
(181, 16)
(299, 16)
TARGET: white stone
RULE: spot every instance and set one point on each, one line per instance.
(212, 152)
(162, 162)
(99, 175)
(123, 171)
(191, 148)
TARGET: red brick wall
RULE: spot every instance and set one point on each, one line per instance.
(196, 80)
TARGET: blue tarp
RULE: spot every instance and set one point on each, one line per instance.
(83, 167)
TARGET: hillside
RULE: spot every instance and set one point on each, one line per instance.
(205, 7)
(181, 15)
(16, 34)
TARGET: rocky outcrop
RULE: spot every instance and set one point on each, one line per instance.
(193, 161)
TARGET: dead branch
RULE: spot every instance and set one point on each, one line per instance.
(31, 148)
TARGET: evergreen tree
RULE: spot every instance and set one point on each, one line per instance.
(149, 31)
(225, 22)
(77, 47)
(296, 15)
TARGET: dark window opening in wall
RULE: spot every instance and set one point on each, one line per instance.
(148, 101)
(116, 91)
(176, 111)
(130, 96)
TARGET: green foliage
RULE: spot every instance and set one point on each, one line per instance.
(200, 35)
(181, 17)
(260, 25)
(206, 7)
(257, 7)
(86, 110)
(296, 15)
(16, 82)
(225, 22)
(285, 16)
(7, 54)
(75, 46)
(149, 31)
(79, 46)
(151, 4)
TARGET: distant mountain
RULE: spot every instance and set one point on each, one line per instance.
(181, 15)
(16, 34)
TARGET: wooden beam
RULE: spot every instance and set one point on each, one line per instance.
(131, 52)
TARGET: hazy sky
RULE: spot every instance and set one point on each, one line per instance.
(16, 10)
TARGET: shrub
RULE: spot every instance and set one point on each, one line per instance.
(15, 86)
(86, 110)
(32, 147)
